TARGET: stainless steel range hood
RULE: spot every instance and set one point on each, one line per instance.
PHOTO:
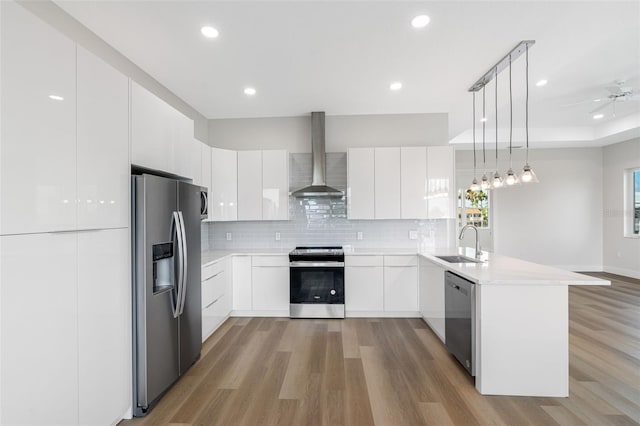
(318, 187)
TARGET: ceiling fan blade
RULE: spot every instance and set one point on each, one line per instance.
(603, 106)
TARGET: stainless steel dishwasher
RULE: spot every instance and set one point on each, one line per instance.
(459, 322)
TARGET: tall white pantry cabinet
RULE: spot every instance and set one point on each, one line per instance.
(65, 336)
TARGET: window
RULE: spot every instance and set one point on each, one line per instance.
(473, 208)
(632, 203)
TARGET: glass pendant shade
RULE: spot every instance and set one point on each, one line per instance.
(484, 184)
(474, 185)
(497, 181)
(528, 175)
(511, 178)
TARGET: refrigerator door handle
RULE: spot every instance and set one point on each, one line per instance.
(184, 264)
(176, 294)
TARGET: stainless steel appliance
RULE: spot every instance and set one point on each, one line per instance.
(318, 187)
(460, 319)
(166, 285)
(316, 277)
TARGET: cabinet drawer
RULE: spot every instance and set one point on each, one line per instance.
(401, 261)
(212, 269)
(270, 261)
(363, 261)
(213, 288)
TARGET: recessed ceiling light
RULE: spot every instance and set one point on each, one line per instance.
(541, 83)
(209, 32)
(395, 85)
(420, 21)
(483, 119)
(597, 100)
(56, 97)
(250, 91)
(598, 116)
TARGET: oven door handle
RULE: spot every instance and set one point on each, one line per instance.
(316, 264)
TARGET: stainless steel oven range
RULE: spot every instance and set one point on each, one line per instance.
(316, 282)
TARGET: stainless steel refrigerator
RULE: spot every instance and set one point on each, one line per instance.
(166, 265)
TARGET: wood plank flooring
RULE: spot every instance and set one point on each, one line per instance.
(276, 371)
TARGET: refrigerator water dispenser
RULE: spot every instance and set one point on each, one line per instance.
(163, 275)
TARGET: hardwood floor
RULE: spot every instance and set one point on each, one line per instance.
(276, 371)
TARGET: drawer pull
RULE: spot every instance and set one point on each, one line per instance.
(212, 276)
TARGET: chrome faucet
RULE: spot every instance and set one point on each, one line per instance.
(462, 231)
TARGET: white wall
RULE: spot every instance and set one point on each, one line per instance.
(66, 24)
(621, 254)
(342, 132)
(557, 221)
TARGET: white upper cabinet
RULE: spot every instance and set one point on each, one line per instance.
(161, 136)
(38, 137)
(103, 144)
(205, 165)
(223, 189)
(151, 144)
(183, 145)
(249, 185)
(387, 183)
(413, 182)
(441, 176)
(360, 183)
(196, 167)
(401, 183)
(275, 185)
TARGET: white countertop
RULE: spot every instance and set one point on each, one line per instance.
(212, 256)
(502, 270)
(494, 270)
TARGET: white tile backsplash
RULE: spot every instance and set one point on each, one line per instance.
(324, 221)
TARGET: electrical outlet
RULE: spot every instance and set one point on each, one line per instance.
(228, 236)
(413, 235)
(359, 235)
(277, 236)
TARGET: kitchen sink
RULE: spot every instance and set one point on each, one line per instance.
(459, 259)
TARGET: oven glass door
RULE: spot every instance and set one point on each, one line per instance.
(317, 285)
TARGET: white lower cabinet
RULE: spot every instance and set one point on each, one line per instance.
(241, 283)
(363, 289)
(381, 285)
(216, 296)
(65, 328)
(401, 283)
(363, 285)
(39, 329)
(431, 301)
(104, 326)
(270, 284)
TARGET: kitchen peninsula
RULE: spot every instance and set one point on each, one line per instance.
(521, 311)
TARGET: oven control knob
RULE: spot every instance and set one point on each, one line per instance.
(333, 292)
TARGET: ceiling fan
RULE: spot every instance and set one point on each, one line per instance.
(617, 93)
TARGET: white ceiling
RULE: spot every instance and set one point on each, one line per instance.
(340, 57)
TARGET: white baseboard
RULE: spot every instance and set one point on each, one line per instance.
(260, 313)
(379, 314)
(622, 271)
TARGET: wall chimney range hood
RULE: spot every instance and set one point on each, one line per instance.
(318, 187)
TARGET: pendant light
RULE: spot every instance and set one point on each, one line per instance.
(474, 184)
(497, 180)
(484, 184)
(512, 178)
(528, 175)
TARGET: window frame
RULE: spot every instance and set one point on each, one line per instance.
(463, 209)
(631, 203)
